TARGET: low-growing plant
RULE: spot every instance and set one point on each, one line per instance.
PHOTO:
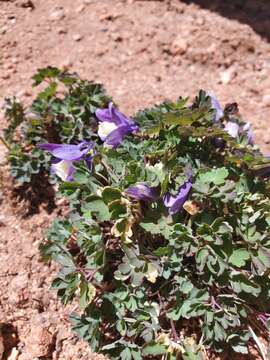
(167, 245)
(62, 112)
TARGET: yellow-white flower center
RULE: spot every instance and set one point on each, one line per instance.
(105, 128)
(62, 169)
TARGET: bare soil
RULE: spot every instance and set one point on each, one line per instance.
(143, 51)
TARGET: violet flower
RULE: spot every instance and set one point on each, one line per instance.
(141, 191)
(175, 203)
(247, 128)
(114, 125)
(64, 156)
(216, 105)
(232, 129)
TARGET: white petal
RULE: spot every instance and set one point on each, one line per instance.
(105, 128)
(62, 169)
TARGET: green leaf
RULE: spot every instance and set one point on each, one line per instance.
(110, 194)
(98, 207)
(154, 349)
(87, 294)
(239, 257)
(216, 176)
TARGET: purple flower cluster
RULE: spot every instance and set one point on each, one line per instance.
(113, 127)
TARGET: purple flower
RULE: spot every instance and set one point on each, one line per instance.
(232, 129)
(114, 125)
(65, 154)
(141, 191)
(247, 128)
(175, 203)
(216, 105)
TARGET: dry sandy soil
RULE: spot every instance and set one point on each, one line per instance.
(143, 51)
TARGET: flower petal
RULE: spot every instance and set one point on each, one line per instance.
(116, 136)
(64, 169)
(216, 105)
(105, 128)
(113, 115)
(247, 128)
(67, 152)
(141, 191)
(175, 203)
(232, 129)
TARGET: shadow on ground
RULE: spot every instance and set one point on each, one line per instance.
(255, 13)
(30, 196)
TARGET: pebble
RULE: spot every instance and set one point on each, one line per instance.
(15, 60)
(61, 30)
(23, 93)
(179, 46)
(26, 4)
(41, 341)
(77, 37)
(80, 8)
(3, 30)
(226, 76)
(5, 76)
(57, 15)
(266, 100)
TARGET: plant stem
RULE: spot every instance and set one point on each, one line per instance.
(5, 143)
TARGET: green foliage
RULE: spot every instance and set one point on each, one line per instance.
(147, 280)
(62, 112)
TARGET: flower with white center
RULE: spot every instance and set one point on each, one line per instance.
(116, 126)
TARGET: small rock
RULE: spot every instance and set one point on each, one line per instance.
(40, 342)
(87, 2)
(117, 37)
(266, 100)
(26, 4)
(227, 75)
(179, 46)
(80, 8)
(57, 15)
(14, 60)
(61, 30)
(5, 76)
(23, 93)
(3, 30)
(77, 37)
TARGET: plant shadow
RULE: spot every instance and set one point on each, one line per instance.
(29, 197)
(255, 13)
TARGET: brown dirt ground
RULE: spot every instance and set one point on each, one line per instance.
(144, 52)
